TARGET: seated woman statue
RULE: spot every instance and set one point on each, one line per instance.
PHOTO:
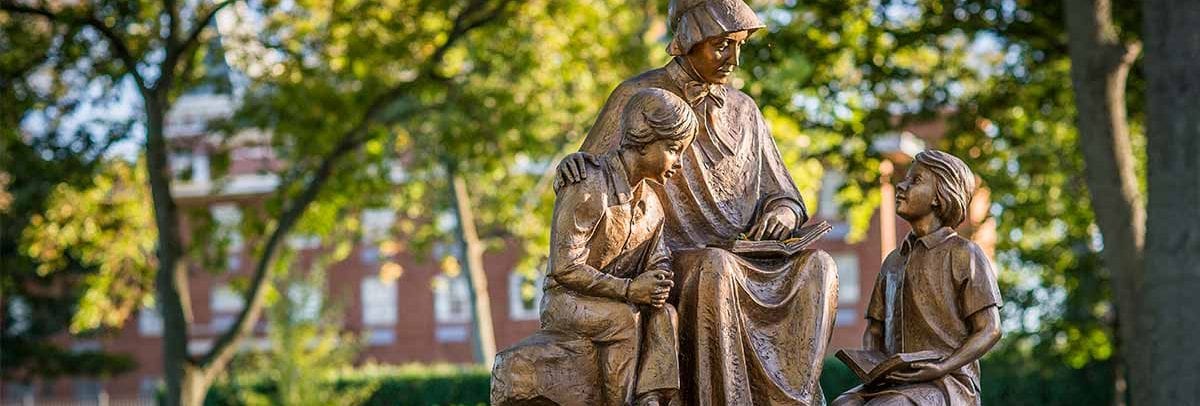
(608, 337)
(752, 331)
(936, 295)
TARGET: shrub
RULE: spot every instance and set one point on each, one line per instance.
(1006, 381)
(411, 384)
(1012, 381)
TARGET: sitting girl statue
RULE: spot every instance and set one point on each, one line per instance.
(608, 336)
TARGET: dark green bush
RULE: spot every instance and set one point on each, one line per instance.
(1005, 382)
(1009, 381)
(395, 385)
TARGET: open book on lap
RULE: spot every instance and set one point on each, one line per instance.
(872, 365)
(800, 240)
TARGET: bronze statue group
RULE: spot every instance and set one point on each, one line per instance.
(643, 306)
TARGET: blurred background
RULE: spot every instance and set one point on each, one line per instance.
(344, 202)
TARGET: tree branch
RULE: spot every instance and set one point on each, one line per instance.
(463, 24)
(172, 10)
(225, 347)
(194, 35)
(186, 48)
(118, 44)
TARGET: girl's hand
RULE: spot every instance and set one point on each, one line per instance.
(919, 372)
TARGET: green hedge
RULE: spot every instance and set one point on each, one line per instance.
(395, 385)
(1005, 382)
(1012, 382)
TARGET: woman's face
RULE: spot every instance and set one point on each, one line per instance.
(716, 58)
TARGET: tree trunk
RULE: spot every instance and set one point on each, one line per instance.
(484, 340)
(1100, 63)
(193, 388)
(1169, 317)
(171, 278)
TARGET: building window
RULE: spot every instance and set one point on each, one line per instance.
(524, 295)
(451, 299)
(226, 300)
(225, 304)
(377, 224)
(848, 285)
(252, 153)
(87, 390)
(18, 393)
(369, 253)
(827, 207)
(451, 334)
(181, 164)
(228, 218)
(86, 346)
(379, 305)
(379, 308)
(304, 242)
(19, 315)
(199, 346)
(188, 166)
(150, 323)
(148, 387)
(380, 336)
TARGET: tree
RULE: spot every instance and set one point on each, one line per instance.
(1172, 250)
(156, 46)
(1100, 64)
(308, 348)
(39, 303)
(476, 134)
(49, 292)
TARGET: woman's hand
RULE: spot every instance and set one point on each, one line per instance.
(774, 225)
(570, 170)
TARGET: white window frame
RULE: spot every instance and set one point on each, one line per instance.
(228, 218)
(517, 309)
(849, 277)
(446, 292)
(827, 207)
(377, 224)
(150, 323)
(380, 304)
(20, 314)
(225, 300)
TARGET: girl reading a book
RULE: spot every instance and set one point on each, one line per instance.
(936, 293)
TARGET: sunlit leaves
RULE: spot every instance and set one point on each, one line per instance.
(105, 226)
(500, 106)
(308, 348)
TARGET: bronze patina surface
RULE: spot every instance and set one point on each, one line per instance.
(751, 330)
(608, 337)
